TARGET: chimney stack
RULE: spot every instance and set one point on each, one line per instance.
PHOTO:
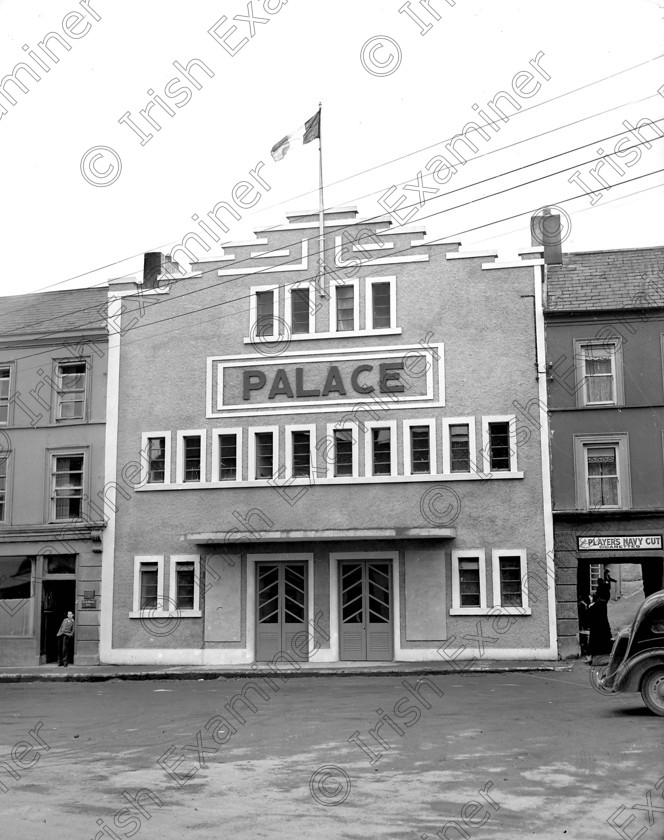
(546, 231)
(152, 268)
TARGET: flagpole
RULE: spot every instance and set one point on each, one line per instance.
(321, 204)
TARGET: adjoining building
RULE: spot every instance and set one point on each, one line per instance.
(348, 464)
(604, 313)
(52, 416)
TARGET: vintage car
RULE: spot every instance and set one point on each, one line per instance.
(637, 658)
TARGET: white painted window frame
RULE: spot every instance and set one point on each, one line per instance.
(69, 452)
(253, 314)
(472, 443)
(9, 366)
(216, 447)
(499, 418)
(152, 612)
(616, 371)
(368, 446)
(252, 453)
(621, 443)
(334, 285)
(521, 553)
(368, 303)
(472, 554)
(311, 330)
(175, 559)
(433, 446)
(179, 469)
(288, 451)
(330, 462)
(145, 462)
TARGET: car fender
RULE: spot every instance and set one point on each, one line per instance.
(631, 673)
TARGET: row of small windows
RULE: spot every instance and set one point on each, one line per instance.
(303, 301)
(337, 453)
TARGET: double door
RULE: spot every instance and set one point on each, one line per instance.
(366, 622)
(281, 610)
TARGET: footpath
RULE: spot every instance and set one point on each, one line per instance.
(103, 673)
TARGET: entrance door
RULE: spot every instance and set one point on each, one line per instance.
(58, 597)
(365, 626)
(281, 610)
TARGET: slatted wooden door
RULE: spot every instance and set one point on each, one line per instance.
(281, 609)
(366, 623)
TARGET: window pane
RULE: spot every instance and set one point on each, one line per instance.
(192, 458)
(420, 449)
(185, 586)
(381, 451)
(602, 476)
(300, 310)
(264, 455)
(510, 581)
(4, 395)
(460, 448)
(227, 457)
(301, 454)
(343, 452)
(149, 580)
(15, 578)
(64, 564)
(499, 446)
(156, 460)
(598, 374)
(469, 582)
(381, 306)
(264, 314)
(72, 390)
(345, 308)
(67, 486)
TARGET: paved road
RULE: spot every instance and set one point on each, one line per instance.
(516, 755)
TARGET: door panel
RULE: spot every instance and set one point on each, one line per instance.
(366, 626)
(281, 610)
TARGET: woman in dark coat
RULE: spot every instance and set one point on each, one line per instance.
(600, 641)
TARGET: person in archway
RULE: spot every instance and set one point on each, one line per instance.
(600, 641)
(603, 590)
(66, 640)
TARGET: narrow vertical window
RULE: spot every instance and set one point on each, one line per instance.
(184, 586)
(192, 457)
(420, 449)
(67, 487)
(510, 581)
(5, 378)
(599, 374)
(469, 582)
(459, 447)
(343, 452)
(156, 460)
(264, 314)
(149, 585)
(301, 466)
(300, 309)
(603, 488)
(4, 458)
(264, 454)
(71, 390)
(381, 309)
(227, 457)
(382, 451)
(499, 446)
(345, 308)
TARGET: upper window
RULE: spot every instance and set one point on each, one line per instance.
(499, 439)
(602, 476)
(469, 580)
(263, 453)
(459, 447)
(380, 448)
(227, 455)
(300, 449)
(67, 486)
(301, 310)
(380, 303)
(419, 445)
(191, 457)
(5, 381)
(156, 452)
(345, 308)
(264, 312)
(599, 372)
(71, 390)
(602, 472)
(344, 456)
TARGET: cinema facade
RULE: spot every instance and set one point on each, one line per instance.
(348, 465)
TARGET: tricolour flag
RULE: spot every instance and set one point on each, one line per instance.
(305, 134)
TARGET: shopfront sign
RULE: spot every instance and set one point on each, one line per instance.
(621, 543)
(318, 381)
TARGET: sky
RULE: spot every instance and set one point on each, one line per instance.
(89, 184)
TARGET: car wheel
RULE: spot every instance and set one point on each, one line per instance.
(652, 690)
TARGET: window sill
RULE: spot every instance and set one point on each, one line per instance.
(151, 614)
(490, 611)
(320, 335)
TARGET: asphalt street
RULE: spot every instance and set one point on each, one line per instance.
(480, 755)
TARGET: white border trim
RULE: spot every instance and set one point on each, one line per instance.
(433, 447)
(472, 443)
(237, 431)
(471, 554)
(145, 458)
(251, 474)
(486, 459)
(287, 472)
(259, 269)
(136, 611)
(179, 464)
(368, 446)
(334, 286)
(172, 591)
(368, 301)
(521, 553)
(330, 447)
(311, 309)
(253, 312)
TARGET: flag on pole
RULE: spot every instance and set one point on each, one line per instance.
(304, 134)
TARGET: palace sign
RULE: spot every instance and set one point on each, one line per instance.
(620, 543)
(317, 381)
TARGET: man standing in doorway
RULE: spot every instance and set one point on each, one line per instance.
(65, 639)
